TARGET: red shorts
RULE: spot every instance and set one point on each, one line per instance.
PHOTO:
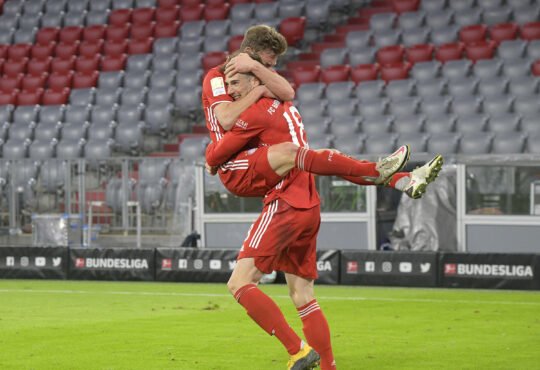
(284, 238)
(249, 173)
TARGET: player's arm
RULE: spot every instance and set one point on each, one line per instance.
(232, 142)
(279, 86)
(228, 112)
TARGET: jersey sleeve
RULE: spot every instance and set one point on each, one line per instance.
(247, 127)
(214, 88)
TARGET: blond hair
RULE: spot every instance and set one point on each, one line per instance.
(262, 37)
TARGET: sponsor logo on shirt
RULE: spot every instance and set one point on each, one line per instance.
(218, 86)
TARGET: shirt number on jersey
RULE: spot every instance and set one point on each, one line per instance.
(296, 127)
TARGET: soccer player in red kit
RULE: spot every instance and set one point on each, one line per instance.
(283, 238)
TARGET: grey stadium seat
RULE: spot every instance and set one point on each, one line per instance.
(409, 124)
(77, 114)
(358, 39)
(373, 107)
(242, 11)
(487, 68)
(512, 49)
(317, 13)
(456, 68)
(497, 104)
(15, 148)
(219, 27)
(77, 5)
(523, 86)
(517, 67)
(138, 63)
(75, 130)
(193, 148)
(444, 143)
(350, 145)
(417, 142)
(444, 35)
(26, 114)
(475, 143)
(338, 90)
(377, 124)
(382, 21)
(463, 105)
(503, 123)
(106, 96)
(98, 149)
(379, 144)
(475, 122)
(363, 55)
(508, 143)
(192, 29)
(317, 126)
(430, 5)
(431, 87)
(111, 80)
(527, 105)
(435, 105)
(530, 124)
(162, 79)
(239, 26)
(157, 118)
(387, 38)
(467, 17)
(187, 102)
(215, 43)
(312, 109)
(164, 62)
(266, 11)
(75, 18)
(333, 56)
(48, 130)
(497, 15)
(310, 91)
(82, 97)
(345, 107)
(404, 106)
(166, 45)
(97, 17)
(52, 174)
(461, 4)
(187, 78)
(533, 143)
(42, 148)
(441, 123)
(101, 130)
(130, 113)
(53, 19)
(370, 90)
(103, 114)
(22, 131)
(189, 62)
(129, 137)
(133, 96)
(345, 126)
(160, 96)
(400, 88)
(136, 79)
(493, 86)
(533, 49)
(50, 114)
(463, 86)
(415, 36)
(439, 18)
(526, 14)
(410, 20)
(291, 9)
(6, 112)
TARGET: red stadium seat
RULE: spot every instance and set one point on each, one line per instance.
(117, 33)
(235, 42)
(115, 47)
(503, 31)
(70, 34)
(473, 33)
(14, 67)
(214, 2)
(530, 31)
(216, 11)
(294, 64)
(3, 51)
(191, 2)
(451, 51)
(91, 48)
(213, 59)
(395, 71)
(65, 50)
(47, 35)
(8, 83)
(319, 47)
(314, 57)
(29, 97)
(419, 53)
(8, 97)
(166, 29)
(19, 51)
(364, 72)
(87, 63)
(55, 96)
(293, 29)
(142, 15)
(59, 80)
(336, 37)
(120, 17)
(63, 64)
(167, 15)
(113, 62)
(143, 31)
(335, 73)
(402, 6)
(32, 82)
(1, 66)
(140, 46)
(306, 74)
(390, 54)
(191, 12)
(37, 66)
(41, 51)
(346, 28)
(375, 8)
(95, 32)
(83, 80)
(535, 68)
(234, 2)
(480, 50)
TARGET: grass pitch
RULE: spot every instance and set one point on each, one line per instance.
(125, 325)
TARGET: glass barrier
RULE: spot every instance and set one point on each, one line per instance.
(502, 189)
(337, 195)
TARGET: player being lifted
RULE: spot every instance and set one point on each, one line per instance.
(256, 173)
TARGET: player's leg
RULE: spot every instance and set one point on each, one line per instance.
(285, 156)
(315, 326)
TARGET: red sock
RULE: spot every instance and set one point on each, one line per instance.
(331, 163)
(395, 183)
(317, 333)
(268, 316)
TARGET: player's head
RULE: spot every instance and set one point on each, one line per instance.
(266, 42)
(240, 84)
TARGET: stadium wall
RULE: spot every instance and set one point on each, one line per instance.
(350, 267)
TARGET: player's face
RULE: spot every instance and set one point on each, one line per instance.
(239, 85)
(268, 57)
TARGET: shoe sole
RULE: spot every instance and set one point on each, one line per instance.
(436, 166)
(311, 361)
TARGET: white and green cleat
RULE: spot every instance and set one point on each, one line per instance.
(422, 176)
(388, 166)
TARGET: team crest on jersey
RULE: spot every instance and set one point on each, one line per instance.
(218, 86)
(242, 124)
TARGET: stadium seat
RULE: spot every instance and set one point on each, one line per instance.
(419, 53)
(191, 13)
(504, 123)
(370, 90)
(157, 118)
(465, 104)
(400, 88)
(530, 31)
(142, 15)
(440, 123)
(335, 73)
(119, 17)
(423, 71)
(41, 51)
(445, 143)
(508, 143)
(386, 38)
(13, 68)
(29, 97)
(47, 35)
(336, 91)
(82, 97)
(468, 17)
(342, 108)
(517, 67)
(390, 54)
(47, 130)
(409, 124)
(42, 149)
(447, 52)
(140, 46)
(113, 62)
(533, 143)
(415, 36)
(358, 39)
(8, 97)
(19, 51)
(395, 71)
(382, 143)
(455, 69)
(439, 18)
(364, 55)
(444, 35)
(142, 31)
(435, 105)
(375, 108)
(70, 34)
(83, 80)
(475, 143)
(364, 72)
(63, 65)
(15, 148)
(480, 50)
(503, 31)
(473, 33)
(166, 29)
(473, 122)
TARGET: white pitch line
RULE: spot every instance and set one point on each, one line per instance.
(319, 298)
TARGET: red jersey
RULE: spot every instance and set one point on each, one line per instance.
(266, 123)
(213, 93)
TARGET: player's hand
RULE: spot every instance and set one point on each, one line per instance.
(211, 170)
(242, 63)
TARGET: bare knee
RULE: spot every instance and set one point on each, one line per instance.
(282, 157)
(301, 297)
